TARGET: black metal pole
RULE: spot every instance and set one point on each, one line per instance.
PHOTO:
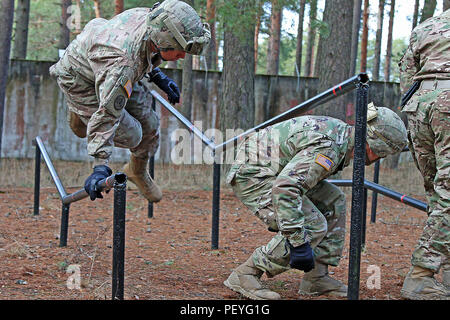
(357, 192)
(64, 225)
(376, 176)
(215, 207)
(364, 217)
(37, 180)
(118, 263)
(151, 166)
(336, 91)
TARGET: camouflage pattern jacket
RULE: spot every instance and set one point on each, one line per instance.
(108, 56)
(428, 53)
(294, 155)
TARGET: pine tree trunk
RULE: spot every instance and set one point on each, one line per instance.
(257, 28)
(64, 38)
(416, 14)
(118, 7)
(364, 37)
(299, 50)
(187, 81)
(97, 9)
(333, 53)
(355, 35)
(387, 60)
(378, 38)
(445, 4)
(237, 102)
(21, 33)
(211, 56)
(309, 71)
(273, 52)
(428, 10)
(6, 22)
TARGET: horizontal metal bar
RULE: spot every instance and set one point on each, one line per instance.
(210, 144)
(340, 89)
(51, 168)
(386, 192)
(104, 185)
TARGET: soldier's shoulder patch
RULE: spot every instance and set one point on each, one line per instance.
(128, 88)
(324, 161)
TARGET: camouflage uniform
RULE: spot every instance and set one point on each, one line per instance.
(99, 74)
(428, 59)
(287, 192)
(102, 70)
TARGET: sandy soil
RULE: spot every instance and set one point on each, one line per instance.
(169, 256)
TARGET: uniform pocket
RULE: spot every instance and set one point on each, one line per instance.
(412, 105)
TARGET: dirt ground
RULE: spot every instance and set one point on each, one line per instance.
(169, 256)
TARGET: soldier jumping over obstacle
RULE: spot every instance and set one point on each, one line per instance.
(290, 196)
(101, 75)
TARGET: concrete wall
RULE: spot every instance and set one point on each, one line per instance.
(35, 106)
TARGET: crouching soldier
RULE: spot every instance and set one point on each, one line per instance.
(102, 77)
(290, 196)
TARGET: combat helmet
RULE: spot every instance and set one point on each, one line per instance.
(386, 132)
(175, 25)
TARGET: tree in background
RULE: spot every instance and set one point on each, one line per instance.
(309, 71)
(64, 37)
(211, 57)
(446, 4)
(21, 29)
(237, 102)
(333, 53)
(273, 52)
(387, 60)
(364, 37)
(378, 38)
(355, 35)
(299, 48)
(6, 23)
(118, 7)
(187, 81)
(415, 14)
(97, 9)
(428, 10)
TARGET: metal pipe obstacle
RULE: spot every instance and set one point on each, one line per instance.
(116, 181)
(358, 183)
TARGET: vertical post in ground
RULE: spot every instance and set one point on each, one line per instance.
(376, 176)
(64, 225)
(151, 172)
(363, 221)
(118, 263)
(151, 167)
(215, 206)
(37, 180)
(357, 192)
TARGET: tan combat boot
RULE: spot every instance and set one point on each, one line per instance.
(77, 126)
(420, 284)
(317, 282)
(245, 280)
(136, 171)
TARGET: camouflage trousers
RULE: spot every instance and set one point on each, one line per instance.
(138, 128)
(324, 208)
(429, 141)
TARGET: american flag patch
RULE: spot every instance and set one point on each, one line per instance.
(324, 161)
(128, 88)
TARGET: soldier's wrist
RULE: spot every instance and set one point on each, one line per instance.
(296, 238)
(100, 161)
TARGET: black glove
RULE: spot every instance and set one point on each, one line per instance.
(165, 84)
(90, 185)
(302, 257)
